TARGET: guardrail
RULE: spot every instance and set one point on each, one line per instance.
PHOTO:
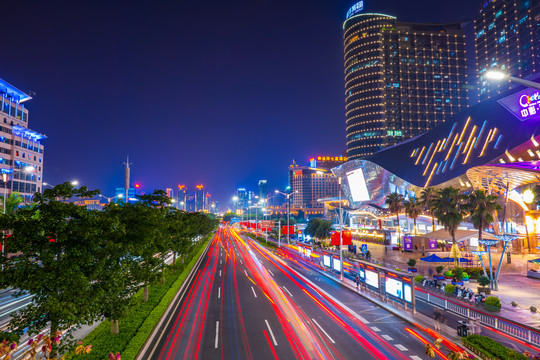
(504, 325)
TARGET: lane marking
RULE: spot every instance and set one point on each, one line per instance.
(246, 273)
(217, 335)
(401, 347)
(254, 294)
(219, 292)
(271, 273)
(325, 333)
(220, 261)
(219, 272)
(387, 337)
(374, 328)
(384, 317)
(271, 332)
(241, 262)
(414, 357)
(288, 291)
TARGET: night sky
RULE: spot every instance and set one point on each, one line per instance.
(222, 93)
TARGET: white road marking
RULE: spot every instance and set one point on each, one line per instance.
(374, 328)
(246, 273)
(414, 357)
(401, 347)
(387, 337)
(220, 262)
(271, 332)
(219, 272)
(271, 273)
(217, 334)
(325, 333)
(219, 292)
(287, 291)
(254, 294)
(381, 318)
(241, 262)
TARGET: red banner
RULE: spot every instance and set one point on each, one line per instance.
(287, 230)
(334, 238)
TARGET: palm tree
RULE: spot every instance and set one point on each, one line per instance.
(13, 201)
(449, 209)
(395, 204)
(426, 199)
(481, 207)
(413, 209)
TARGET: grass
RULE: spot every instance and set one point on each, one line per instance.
(142, 317)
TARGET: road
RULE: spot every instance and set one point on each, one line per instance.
(247, 303)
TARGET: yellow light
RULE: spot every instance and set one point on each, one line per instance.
(528, 196)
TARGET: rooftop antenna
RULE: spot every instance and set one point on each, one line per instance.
(126, 176)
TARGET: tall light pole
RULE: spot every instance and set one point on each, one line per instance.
(500, 75)
(288, 211)
(340, 232)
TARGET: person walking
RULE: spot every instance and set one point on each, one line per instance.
(357, 280)
(437, 319)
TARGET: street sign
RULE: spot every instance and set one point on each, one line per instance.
(364, 248)
(267, 223)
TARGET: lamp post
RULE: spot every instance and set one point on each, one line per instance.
(500, 75)
(288, 211)
(340, 233)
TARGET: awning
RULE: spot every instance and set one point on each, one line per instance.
(461, 235)
(432, 258)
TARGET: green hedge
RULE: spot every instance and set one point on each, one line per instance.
(492, 303)
(482, 345)
(418, 278)
(142, 317)
(449, 289)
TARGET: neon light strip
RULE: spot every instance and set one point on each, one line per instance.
(432, 155)
(498, 141)
(535, 143)
(455, 156)
(444, 167)
(480, 134)
(419, 156)
(449, 136)
(486, 142)
(442, 144)
(451, 147)
(463, 132)
(493, 134)
(470, 148)
(430, 175)
(469, 141)
(425, 157)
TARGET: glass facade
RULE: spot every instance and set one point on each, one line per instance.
(401, 79)
(507, 37)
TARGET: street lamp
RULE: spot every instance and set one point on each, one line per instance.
(288, 211)
(498, 75)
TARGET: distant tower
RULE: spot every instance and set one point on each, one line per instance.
(127, 171)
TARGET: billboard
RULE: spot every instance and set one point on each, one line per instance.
(407, 292)
(357, 184)
(372, 279)
(337, 265)
(394, 287)
(524, 105)
(326, 260)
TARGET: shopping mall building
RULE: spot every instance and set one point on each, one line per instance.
(494, 145)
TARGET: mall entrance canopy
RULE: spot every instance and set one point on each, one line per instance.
(461, 235)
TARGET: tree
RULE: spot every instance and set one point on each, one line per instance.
(395, 204)
(413, 209)
(481, 207)
(427, 195)
(319, 228)
(449, 209)
(59, 264)
(13, 201)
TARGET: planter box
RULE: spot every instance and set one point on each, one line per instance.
(485, 290)
(413, 270)
(491, 308)
(439, 277)
(460, 283)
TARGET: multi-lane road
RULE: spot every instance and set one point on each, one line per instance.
(246, 302)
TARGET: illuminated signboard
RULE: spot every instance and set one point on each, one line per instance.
(337, 265)
(394, 287)
(407, 292)
(355, 9)
(361, 274)
(357, 184)
(326, 260)
(524, 105)
(372, 279)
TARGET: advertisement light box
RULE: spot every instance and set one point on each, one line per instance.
(326, 260)
(394, 287)
(372, 279)
(357, 184)
(407, 292)
(337, 265)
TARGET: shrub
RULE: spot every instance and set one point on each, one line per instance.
(411, 263)
(449, 289)
(493, 301)
(448, 273)
(418, 278)
(458, 273)
(465, 275)
(483, 280)
(491, 348)
(439, 269)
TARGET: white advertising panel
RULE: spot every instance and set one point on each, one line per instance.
(326, 260)
(372, 278)
(357, 184)
(473, 241)
(361, 274)
(337, 265)
(308, 252)
(394, 287)
(407, 292)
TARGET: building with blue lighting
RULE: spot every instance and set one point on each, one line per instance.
(21, 151)
(401, 79)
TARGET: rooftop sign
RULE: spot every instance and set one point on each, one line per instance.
(355, 9)
(524, 105)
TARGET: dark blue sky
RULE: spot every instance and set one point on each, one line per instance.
(222, 93)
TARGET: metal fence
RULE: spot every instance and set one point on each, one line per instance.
(504, 325)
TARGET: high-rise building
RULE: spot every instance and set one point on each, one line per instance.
(169, 192)
(263, 189)
(21, 153)
(401, 79)
(507, 37)
(199, 198)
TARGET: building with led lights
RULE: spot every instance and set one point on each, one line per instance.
(401, 79)
(21, 151)
(507, 37)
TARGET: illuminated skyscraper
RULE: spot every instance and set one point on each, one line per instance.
(507, 38)
(401, 79)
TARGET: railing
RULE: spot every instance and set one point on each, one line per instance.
(506, 326)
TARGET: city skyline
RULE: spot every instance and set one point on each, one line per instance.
(101, 74)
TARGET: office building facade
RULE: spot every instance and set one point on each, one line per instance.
(507, 38)
(401, 79)
(21, 151)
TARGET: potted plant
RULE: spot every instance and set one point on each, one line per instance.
(458, 275)
(448, 275)
(439, 270)
(484, 282)
(465, 277)
(411, 264)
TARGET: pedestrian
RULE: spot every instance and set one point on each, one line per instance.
(478, 326)
(385, 250)
(436, 319)
(357, 280)
(472, 327)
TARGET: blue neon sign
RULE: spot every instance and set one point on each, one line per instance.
(355, 9)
